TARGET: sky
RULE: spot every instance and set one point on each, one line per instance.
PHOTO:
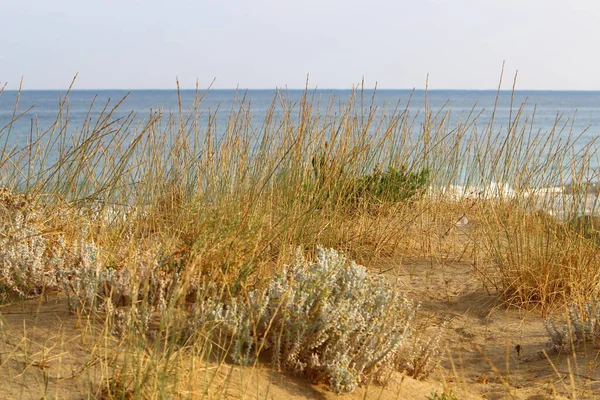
(148, 44)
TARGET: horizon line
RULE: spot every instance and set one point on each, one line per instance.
(301, 89)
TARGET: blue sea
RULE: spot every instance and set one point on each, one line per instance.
(577, 111)
(583, 106)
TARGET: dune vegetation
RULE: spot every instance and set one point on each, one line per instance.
(177, 252)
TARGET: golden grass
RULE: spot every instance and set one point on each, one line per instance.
(226, 204)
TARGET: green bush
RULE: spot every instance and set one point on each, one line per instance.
(391, 186)
(333, 182)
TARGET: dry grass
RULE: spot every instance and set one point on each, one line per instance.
(180, 213)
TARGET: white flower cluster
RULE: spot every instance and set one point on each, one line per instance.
(580, 327)
(328, 320)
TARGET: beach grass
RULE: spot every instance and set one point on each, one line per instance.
(148, 228)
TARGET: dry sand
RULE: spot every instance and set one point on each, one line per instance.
(46, 351)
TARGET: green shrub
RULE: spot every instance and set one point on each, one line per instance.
(392, 186)
(396, 184)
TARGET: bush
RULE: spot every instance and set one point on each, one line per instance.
(582, 326)
(328, 320)
(29, 261)
(393, 185)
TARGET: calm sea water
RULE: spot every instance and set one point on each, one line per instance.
(547, 104)
(579, 110)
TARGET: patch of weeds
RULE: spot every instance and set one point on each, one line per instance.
(588, 226)
(4, 294)
(116, 388)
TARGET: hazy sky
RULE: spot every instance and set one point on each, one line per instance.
(132, 44)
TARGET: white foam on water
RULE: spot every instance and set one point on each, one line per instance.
(459, 192)
(555, 200)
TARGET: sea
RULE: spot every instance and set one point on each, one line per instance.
(577, 112)
(580, 110)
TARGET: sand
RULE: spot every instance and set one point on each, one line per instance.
(46, 351)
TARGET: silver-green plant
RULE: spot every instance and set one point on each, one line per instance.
(32, 261)
(581, 326)
(421, 358)
(27, 265)
(130, 297)
(329, 320)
